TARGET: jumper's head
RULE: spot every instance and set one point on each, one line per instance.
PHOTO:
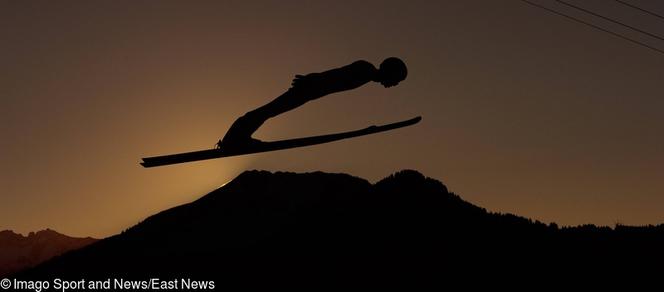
(392, 71)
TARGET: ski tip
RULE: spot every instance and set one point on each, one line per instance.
(414, 120)
(145, 164)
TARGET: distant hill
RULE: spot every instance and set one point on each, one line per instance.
(18, 252)
(285, 229)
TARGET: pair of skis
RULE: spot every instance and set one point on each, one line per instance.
(272, 145)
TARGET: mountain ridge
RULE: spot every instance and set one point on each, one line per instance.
(18, 251)
(282, 227)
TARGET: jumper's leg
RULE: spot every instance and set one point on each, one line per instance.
(239, 134)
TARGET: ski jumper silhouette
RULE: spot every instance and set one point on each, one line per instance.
(312, 86)
(304, 88)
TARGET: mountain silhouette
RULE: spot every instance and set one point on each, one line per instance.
(321, 229)
(18, 252)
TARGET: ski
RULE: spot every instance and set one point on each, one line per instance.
(272, 145)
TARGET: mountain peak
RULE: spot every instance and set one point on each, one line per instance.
(408, 179)
(45, 232)
(254, 176)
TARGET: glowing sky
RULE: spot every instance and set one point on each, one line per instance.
(524, 111)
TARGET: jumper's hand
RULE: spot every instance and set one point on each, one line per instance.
(304, 81)
(298, 80)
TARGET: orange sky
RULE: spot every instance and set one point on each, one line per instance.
(524, 111)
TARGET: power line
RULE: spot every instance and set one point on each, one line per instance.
(611, 20)
(594, 26)
(640, 9)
